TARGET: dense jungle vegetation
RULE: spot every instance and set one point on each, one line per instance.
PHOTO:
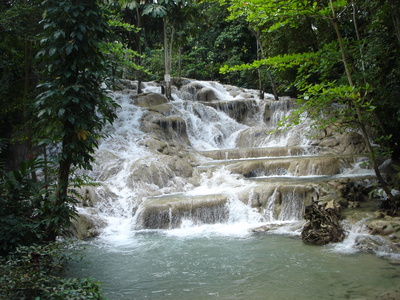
(339, 58)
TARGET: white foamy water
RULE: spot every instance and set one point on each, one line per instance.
(209, 129)
(221, 181)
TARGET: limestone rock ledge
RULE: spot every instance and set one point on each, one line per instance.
(87, 226)
(387, 227)
(167, 212)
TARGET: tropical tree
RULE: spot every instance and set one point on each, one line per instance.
(171, 12)
(130, 13)
(73, 107)
(207, 45)
(322, 89)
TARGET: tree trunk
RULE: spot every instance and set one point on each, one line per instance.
(358, 38)
(61, 195)
(167, 76)
(395, 19)
(271, 79)
(260, 85)
(180, 63)
(361, 123)
(139, 50)
(171, 44)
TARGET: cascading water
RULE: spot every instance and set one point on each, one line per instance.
(183, 215)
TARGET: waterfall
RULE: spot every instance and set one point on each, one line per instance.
(197, 197)
(186, 164)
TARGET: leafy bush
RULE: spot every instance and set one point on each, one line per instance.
(33, 273)
(27, 206)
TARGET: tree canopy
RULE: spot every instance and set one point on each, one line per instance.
(328, 54)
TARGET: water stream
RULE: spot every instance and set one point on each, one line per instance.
(210, 263)
(181, 217)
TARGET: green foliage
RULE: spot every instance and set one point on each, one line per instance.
(324, 93)
(161, 9)
(73, 105)
(122, 25)
(122, 59)
(215, 42)
(73, 102)
(18, 30)
(2, 148)
(155, 10)
(276, 14)
(381, 57)
(154, 60)
(34, 273)
(26, 207)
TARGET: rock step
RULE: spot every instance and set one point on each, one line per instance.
(274, 200)
(289, 166)
(238, 153)
(168, 211)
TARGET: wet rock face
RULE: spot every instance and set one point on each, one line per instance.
(238, 110)
(323, 224)
(86, 226)
(206, 95)
(386, 226)
(169, 211)
(149, 99)
(171, 128)
(347, 143)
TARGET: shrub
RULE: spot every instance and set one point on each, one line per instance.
(27, 206)
(32, 272)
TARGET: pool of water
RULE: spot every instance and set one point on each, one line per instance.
(170, 265)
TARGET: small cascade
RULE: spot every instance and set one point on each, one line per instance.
(208, 128)
(276, 111)
(210, 158)
(292, 207)
(239, 212)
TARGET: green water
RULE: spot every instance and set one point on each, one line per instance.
(157, 265)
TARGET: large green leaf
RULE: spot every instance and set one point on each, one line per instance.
(155, 10)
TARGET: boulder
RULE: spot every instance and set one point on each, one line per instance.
(264, 228)
(189, 91)
(206, 95)
(149, 99)
(125, 85)
(330, 141)
(156, 144)
(86, 226)
(165, 128)
(160, 172)
(165, 109)
(323, 225)
(346, 143)
(239, 109)
(386, 226)
(88, 196)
